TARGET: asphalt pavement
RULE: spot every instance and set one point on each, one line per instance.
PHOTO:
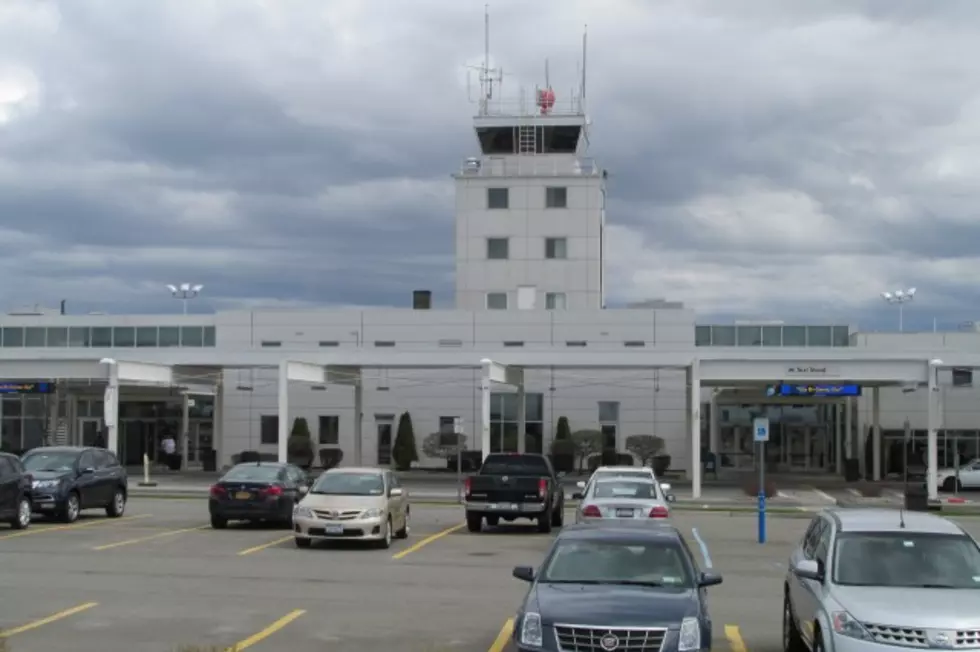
(161, 580)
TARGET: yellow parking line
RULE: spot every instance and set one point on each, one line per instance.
(73, 526)
(734, 636)
(426, 541)
(503, 637)
(267, 632)
(13, 631)
(159, 535)
(249, 551)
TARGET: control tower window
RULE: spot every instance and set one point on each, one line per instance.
(498, 198)
(498, 248)
(556, 197)
(496, 301)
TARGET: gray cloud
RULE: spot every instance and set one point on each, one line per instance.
(767, 158)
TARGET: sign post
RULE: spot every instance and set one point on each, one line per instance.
(457, 432)
(760, 433)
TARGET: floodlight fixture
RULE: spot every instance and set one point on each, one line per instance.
(899, 297)
(185, 292)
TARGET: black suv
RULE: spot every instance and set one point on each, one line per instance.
(68, 479)
(15, 492)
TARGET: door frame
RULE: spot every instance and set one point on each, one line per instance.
(80, 433)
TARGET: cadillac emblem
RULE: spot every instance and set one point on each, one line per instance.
(504, 479)
(609, 642)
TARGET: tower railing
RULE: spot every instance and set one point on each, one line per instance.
(526, 106)
(541, 165)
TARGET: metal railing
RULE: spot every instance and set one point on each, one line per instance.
(526, 105)
(540, 165)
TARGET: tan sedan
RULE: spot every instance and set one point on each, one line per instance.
(361, 504)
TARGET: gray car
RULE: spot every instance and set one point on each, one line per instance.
(622, 498)
(865, 580)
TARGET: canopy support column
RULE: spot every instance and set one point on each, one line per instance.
(694, 421)
(875, 434)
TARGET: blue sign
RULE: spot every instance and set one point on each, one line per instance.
(760, 429)
(26, 388)
(786, 389)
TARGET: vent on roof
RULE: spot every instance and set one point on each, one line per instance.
(577, 343)
(513, 343)
(454, 343)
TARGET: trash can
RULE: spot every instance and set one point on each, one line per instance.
(917, 499)
(852, 470)
(209, 459)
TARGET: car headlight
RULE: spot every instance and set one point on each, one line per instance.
(374, 512)
(689, 638)
(46, 484)
(845, 625)
(531, 633)
(302, 512)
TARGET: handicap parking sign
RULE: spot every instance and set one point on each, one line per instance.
(760, 429)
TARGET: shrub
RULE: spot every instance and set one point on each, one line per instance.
(404, 451)
(610, 456)
(299, 447)
(587, 443)
(330, 457)
(562, 430)
(443, 444)
(249, 456)
(751, 487)
(644, 447)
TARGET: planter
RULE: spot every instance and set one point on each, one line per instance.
(660, 464)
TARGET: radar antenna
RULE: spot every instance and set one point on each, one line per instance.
(488, 76)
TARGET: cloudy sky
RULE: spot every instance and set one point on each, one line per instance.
(767, 159)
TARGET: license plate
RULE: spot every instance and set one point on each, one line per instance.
(624, 513)
(243, 495)
(333, 529)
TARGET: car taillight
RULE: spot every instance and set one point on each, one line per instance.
(274, 490)
(542, 488)
(659, 511)
(217, 491)
(467, 485)
(592, 511)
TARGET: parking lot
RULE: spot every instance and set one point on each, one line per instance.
(160, 580)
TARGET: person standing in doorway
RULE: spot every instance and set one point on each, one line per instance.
(169, 450)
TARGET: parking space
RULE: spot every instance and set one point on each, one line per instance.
(161, 578)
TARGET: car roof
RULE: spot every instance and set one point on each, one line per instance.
(357, 469)
(260, 463)
(625, 531)
(61, 449)
(634, 479)
(617, 469)
(875, 519)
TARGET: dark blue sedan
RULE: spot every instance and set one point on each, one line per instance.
(616, 587)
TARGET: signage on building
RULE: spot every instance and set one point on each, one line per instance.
(26, 388)
(811, 370)
(789, 389)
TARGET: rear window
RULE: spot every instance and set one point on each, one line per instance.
(624, 489)
(253, 473)
(515, 465)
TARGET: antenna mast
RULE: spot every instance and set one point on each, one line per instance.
(585, 52)
(488, 75)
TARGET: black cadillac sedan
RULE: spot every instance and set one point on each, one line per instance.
(616, 587)
(257, 491)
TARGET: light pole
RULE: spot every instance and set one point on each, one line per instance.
(184, 292)
(901, 297)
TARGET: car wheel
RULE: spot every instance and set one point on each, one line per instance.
(219, 523)
(544, 523)
(385, 541)
(474, 522)
(493, 521)
(951, 484)
(302, 542)
(558, 516)
(792, 641)
(71, 508)
(23, 517)
(117, 507)
(403, 533)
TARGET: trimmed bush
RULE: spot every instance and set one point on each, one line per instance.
(563, 455)
(644, 447)
(299, 446)
(562, 430)
(751, 487)
(330, 457)
(404, 451)
(249, 456)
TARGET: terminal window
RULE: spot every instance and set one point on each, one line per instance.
(498, 198)
(556, 248)
(498, 248)
(496, 301)
(329, 434)
(556, 197)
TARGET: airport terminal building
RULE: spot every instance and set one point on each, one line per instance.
(530, 297)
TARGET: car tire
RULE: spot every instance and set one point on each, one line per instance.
(558, 516)
(71, 509)
(493, 521)
(952, 484)
(403, 533)
(22, 520)
(792, 640)
(386, 537)
(474, 522)
(117, 507)
(544, 523)
(302, 542)
(219, 523)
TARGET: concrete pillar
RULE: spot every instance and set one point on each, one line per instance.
(839, 438)
(358, 422)
(807, 447)
(485, 408)
(111, 409)
(522, 419)
(694, 416)
(218, 424)
(932, 455)
(714, 428)
(848, 428)
(875, 434)
(185, 429)
(283, 440)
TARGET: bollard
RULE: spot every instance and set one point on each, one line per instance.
(762, 515)
(146, 473)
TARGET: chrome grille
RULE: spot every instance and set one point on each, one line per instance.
(894, 635)
(588, 638)
(337, 515)
(968, 638)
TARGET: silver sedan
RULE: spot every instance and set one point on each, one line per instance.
(622, 498)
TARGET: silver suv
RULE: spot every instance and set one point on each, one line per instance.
(865, 578)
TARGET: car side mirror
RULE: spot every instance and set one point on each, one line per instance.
(808, 569)
(560, 474)
(665, 487)
(709, 579)
(86, 471)
(525, 573)
(303, 489)
(671, 498)
(578, 495)
(395, 492)
(580, 484)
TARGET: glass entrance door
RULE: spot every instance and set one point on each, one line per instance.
(88, 431)
(385, 429)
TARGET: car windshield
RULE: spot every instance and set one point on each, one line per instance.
(349, 484)
(648, 563)
(912, 560)
(252, 473)
(624, 489)
(50, 461)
